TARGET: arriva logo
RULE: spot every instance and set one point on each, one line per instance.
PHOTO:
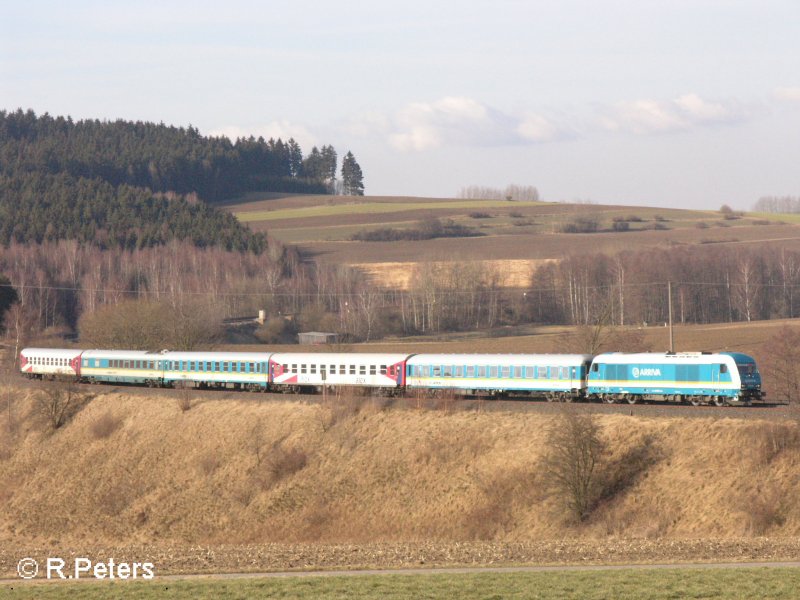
(645, 372)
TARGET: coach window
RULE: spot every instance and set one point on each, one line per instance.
(506, 372)
(518, 372)
(313, 369)
(723, 368)
(373, 369)
(342, 369)
(447, 371)
(542, 373)
(303, 368)
(493, 372)
(362, 369)
(383, 369)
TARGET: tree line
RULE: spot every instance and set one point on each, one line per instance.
(58, 284)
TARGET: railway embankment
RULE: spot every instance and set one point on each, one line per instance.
(185, 472)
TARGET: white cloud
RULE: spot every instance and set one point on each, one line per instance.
(276, 129)
(457, 120)
(789, 94)
(684, 113)
(464, 121)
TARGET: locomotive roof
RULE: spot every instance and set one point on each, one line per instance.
(664, 357)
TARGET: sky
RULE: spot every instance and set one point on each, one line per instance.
(684, 103)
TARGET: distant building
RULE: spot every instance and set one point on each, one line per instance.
(318, 337)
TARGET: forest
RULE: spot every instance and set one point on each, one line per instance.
(133, 185)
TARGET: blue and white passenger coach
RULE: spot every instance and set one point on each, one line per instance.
(553, 376)
(696, 377)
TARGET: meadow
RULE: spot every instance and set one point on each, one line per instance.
(627, 584)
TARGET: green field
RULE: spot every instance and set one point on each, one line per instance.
(626, 584)
(371, 208)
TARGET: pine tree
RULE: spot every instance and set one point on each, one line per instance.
(352, 177)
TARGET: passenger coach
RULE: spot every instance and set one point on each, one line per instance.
(296, 371)
(49, 362)
(553, 376)
(239, 370)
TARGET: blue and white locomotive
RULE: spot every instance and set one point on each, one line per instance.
(695, 377)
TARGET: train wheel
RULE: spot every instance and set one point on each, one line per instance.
(632, 399)
(695, 400)
(720, 401)
(608, 399)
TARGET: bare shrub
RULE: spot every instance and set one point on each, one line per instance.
(621, 226)
(581, 225)
(105, 425)
(184, 398)
(343, 406)
(279, 463)
(59, 401)
(783, 364)
(570, 463)
(773, 439)
(480, 215)
(766, 508)
(277, 330)
(701, 225)
(208, 463)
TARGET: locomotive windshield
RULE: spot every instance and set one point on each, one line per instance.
(747, 369)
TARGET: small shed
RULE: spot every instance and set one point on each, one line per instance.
(318, 337)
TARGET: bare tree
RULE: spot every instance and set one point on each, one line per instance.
(783, 366)
(570, 465)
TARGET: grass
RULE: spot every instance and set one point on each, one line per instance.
(330, 210)
(627, 584)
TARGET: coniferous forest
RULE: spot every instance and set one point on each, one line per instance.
(133, 184)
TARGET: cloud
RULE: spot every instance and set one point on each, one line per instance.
(464, 121)
(276, 129)
(788, 94)
(684, 113)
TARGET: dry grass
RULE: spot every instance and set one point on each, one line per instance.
(244, 472)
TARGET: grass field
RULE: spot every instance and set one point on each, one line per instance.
(322, 227)
(745, 583)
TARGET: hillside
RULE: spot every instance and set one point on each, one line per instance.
(515, 238)
(137, 470)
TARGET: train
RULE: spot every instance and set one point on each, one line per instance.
(721, 379)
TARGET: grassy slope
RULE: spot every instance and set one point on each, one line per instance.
(588, 585)
(157, 474)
